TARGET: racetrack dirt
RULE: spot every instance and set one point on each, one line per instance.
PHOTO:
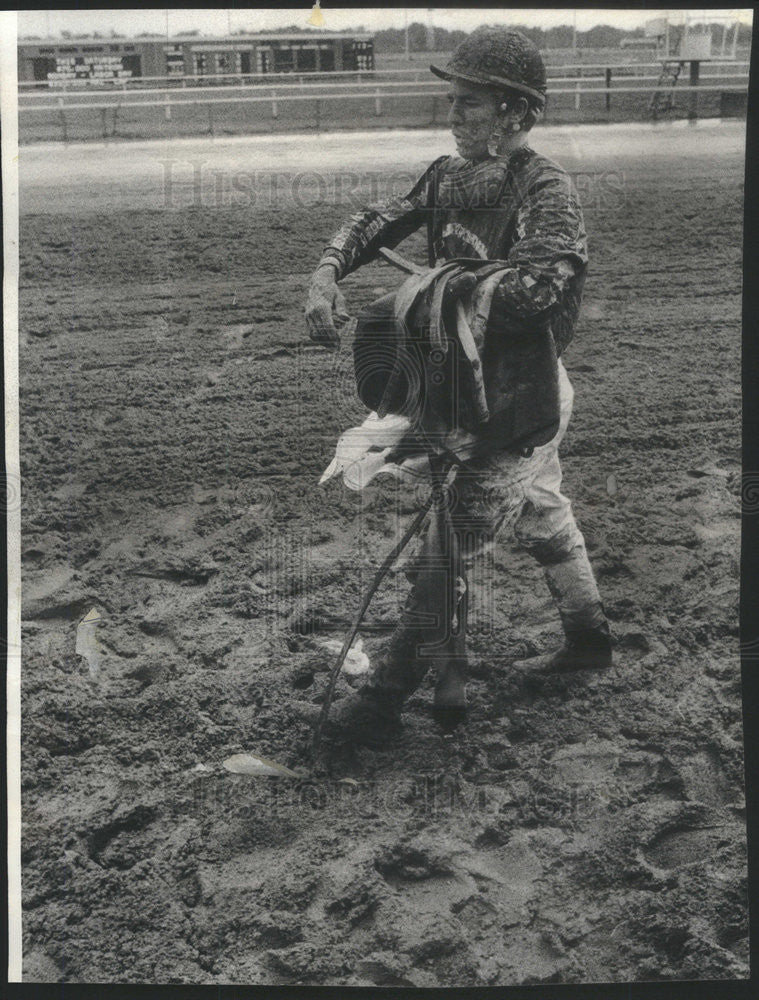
(174, 425)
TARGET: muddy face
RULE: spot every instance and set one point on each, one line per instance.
(472, 117)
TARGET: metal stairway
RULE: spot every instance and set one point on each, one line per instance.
(663, 98)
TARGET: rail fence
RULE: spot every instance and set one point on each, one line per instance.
(572, 71)
(167, 111)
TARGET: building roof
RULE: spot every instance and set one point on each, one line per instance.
(176, 39)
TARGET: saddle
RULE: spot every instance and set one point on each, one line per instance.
(469, 379)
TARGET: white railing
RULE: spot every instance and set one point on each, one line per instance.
(185, 96)
(277, 95)
(314, 76)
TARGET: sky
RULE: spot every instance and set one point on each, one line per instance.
(215, 21)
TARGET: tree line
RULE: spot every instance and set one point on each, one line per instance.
(422, 39)
(562, 36)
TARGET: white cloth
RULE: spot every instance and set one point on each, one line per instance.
(362, 453)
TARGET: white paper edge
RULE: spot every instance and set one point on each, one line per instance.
(9, 113)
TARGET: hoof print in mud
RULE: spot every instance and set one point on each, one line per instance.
(305, 961)
(186, 573)
(445, 938)
(408, 862)
(122, 842)
(278, 929)
(384, 968)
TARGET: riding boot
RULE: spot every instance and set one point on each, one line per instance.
(452, 667)
(433, 621)
(587, 642)
(371, 715)
(431, 633)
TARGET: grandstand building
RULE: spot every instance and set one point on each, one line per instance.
(96, 61)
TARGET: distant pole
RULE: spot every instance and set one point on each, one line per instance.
(229, 21)
(694, 74)
(47, 19)
(666, 37)
(408, 51)
(167, 24)
(574, 32)
(735, 39)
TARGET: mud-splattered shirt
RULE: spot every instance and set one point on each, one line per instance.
(522, 210)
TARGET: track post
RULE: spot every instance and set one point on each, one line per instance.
(274, 109)
(693, 103)
(377, 102)
(63, 119)
(608, 89)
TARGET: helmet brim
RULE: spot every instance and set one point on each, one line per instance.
(485, 80)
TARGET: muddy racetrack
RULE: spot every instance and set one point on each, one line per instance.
(174, 427)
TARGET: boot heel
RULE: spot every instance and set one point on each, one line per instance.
(450, 706)
(449, 717)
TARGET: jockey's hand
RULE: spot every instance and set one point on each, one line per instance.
(325, 306)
